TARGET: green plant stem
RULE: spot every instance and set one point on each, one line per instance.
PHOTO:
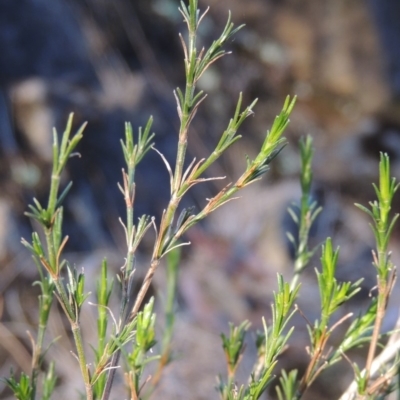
(54, 186)
(304, 228)
(144, 288)
(45, 301)
(82, 360)
(128, 189)
(129, 199)
(51, 251)
(129, 266)
(130, 229)
(298, 268)
(185, 119)
(124, 318)
(75, 327)
(172, 281)
(37, 353)
(40, 338)
(308, 211)
(180, 159)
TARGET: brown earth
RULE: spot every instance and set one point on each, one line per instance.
(325, 52)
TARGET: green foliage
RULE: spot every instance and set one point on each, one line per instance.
(134, 153)
(288, 385)
(382, 226)
(61, 153)
(366, 328)
(274, 339)
(134, 326)
(333, 294)
(233, 345)
(22, 389)
(76, 290)
(308, 211)
(270, 344)
(144, 341)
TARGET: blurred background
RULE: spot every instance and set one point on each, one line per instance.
(111, 62)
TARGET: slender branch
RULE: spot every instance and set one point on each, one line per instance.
(144, 288)
(82, 360)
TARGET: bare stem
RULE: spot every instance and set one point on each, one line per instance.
(310, 373)
(385, 288)
(144, 288)
(82, 360)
